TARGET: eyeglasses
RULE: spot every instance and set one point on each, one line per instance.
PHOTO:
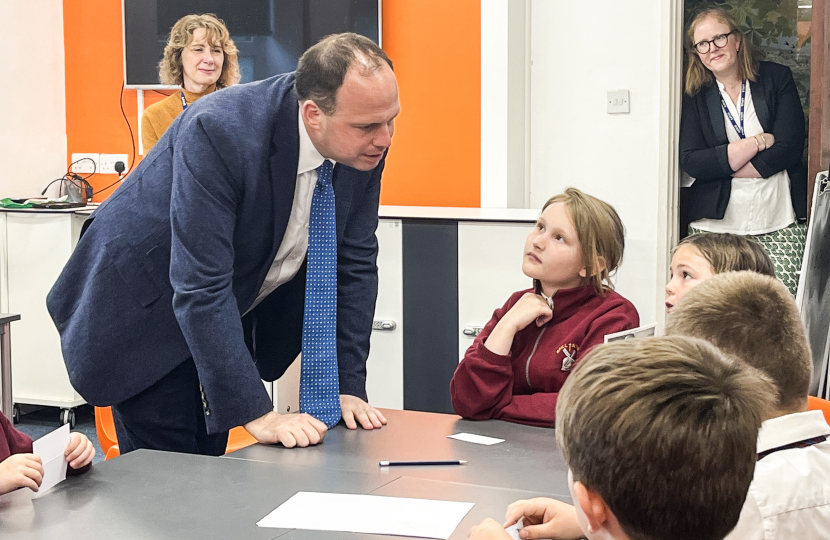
(702, 47)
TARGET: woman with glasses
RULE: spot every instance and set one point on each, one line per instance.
(741, 142)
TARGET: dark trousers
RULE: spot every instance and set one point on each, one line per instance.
(168, 416)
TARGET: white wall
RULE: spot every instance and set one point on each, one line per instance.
(579, 51)
(505, 93)
(33, 97)
(493, 104)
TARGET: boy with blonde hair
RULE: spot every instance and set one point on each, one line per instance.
(754, 317)
(659, 435)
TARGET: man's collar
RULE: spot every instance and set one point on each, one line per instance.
(790, 428)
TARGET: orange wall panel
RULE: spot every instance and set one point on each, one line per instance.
(92, 44)
(435, 45)
(435, 159)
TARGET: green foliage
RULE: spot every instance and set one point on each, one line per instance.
(763, 22)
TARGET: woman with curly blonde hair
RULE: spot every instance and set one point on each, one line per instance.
(201, 57)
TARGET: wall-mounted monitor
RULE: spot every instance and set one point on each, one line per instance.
(271, 35)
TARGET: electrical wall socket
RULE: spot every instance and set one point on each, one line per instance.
(86, 163)
(108, 162)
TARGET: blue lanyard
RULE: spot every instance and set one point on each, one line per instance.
(184, 105)
(738, 129)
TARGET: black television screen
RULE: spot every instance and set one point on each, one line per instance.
(270, 34)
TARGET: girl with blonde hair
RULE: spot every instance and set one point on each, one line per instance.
(518, 363)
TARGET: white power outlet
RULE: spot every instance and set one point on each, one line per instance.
(108, 162)
(86, 163)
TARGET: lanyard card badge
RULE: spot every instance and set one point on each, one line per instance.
(739, 129)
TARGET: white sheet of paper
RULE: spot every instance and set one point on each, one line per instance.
(514, 529)
(478, 439)
(50, 448)
(368, 514)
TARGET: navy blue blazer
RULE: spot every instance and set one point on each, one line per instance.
(703, 143)
(168, 263)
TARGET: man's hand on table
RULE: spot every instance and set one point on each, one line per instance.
(289, 429)
(356, 410)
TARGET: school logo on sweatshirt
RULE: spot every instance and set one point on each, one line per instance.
(569, 351)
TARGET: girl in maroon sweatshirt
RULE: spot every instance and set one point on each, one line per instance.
(20, 468)
(517, 364)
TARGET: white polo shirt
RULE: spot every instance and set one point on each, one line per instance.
(789, 498)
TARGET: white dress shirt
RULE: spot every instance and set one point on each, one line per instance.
(294, 246)
(756, 205)
(789, 498)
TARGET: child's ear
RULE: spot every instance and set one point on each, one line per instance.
(593, 507)
(600, 267)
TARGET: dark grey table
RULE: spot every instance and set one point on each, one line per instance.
(154, 495)
(528, 459)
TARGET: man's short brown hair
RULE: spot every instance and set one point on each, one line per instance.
(755, 318)
(664, 430)
(323, 67)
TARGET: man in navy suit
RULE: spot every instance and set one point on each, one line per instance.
(188, 283)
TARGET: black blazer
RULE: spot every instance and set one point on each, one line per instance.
(703, 143)
(181, 249)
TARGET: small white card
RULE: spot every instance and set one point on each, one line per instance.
(514, 529)
(50, 448)
(477, 439)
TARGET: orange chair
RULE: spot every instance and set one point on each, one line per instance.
(818, 404)
(238, 437)
(105, 428)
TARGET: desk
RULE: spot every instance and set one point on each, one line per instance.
(527, 459)
(34, 247)
(150, 495)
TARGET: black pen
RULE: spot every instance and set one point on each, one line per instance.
(402, 463)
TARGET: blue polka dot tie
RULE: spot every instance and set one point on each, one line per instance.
(319, 383)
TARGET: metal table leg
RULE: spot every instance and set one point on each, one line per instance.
(7, 401)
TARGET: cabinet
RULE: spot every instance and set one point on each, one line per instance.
(440, 270)
(489, 271)
(384, 369)
(34, 246)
